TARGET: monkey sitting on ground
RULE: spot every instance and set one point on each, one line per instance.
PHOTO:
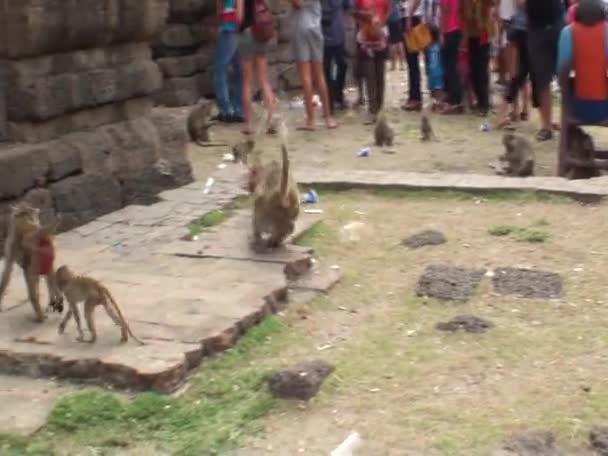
(92, 293)
(199, 123)
(276, 201)
(426, 130)
(518, 158)
(241, 153)
(30, 245)
(581, 148)
(383, 132)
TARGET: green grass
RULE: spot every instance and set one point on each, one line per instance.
(320, 237)
(520, 234)
(210, 219)
(226, 400)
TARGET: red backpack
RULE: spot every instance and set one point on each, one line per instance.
(263, 22)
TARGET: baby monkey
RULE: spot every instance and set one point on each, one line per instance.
(92, 293)
(199, 123)
(383, 132)
(518, 158)
(426, 130)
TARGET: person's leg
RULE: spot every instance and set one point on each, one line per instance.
(380, 76)
(484, 78)
(328, 61)
(236, 82)
(369, 78)
(321, 85)
(453, 84)
(401, 55)
(247, 80)
(261, 71)
(223, 56)
(306, 80)
(414, 102)
(340, 75)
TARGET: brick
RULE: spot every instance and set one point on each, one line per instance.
(3, 90)
(40, 27)
(181, 36)
(22, 168)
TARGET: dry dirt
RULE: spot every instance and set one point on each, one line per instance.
(460, 147)
(410, 389)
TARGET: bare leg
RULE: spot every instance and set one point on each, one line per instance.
(9, 262)
(76, 312)
(321, 84)
(261, 71)
(247, 79)
(306, 78)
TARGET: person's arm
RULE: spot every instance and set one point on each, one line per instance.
(297, 4)
(240, 11)
(564, 52)
(413, 6)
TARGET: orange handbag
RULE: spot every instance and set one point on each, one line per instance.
(418, 38)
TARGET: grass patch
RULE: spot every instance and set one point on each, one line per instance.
(226, 400)
(320, 237)
(210, 219)
(520, 234)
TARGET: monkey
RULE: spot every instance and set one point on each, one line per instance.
(518, 158)
(199, 123)
(92, 293)
(242, 150)
(581, 150)
(276, 200)
(30, 245)
(383, 133)
(426, 130)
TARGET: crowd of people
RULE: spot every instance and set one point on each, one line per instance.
(466, 38)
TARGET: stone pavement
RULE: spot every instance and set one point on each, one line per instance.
(595, 188)
(186, 299)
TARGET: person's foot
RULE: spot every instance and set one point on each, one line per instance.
(224, 118)
(412, 105)
(330, 123)
(448, 109)
(236, 118)
(524, 116)
(544, 134)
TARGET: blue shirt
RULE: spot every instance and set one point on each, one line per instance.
(332, 21)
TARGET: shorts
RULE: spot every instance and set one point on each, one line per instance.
(542, 47)
(248, 47)
(307, 45)
(395, 32)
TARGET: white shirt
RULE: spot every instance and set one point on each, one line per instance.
(507, 9)
(405, 8)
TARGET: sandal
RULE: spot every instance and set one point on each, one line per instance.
(544, 135)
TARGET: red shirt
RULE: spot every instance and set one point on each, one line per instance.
(380, 7)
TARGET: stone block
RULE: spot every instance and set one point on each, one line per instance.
(36, 132)
(283, 28)
(179, 91)
(189, 11)
(186, 65)
(174, 140)
(80, 199)
(37, 27)
(182, 36)
(41, 97)
(64, 160)
(22, 168)
(3, 90)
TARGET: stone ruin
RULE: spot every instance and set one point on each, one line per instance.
(78, 134)
(184, 51)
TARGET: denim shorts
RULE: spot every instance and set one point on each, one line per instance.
(249, 47)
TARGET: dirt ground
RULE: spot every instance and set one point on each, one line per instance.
(461, 146)
(410, 389)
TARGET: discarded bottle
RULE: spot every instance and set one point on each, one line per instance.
(484, 127)
(364, 152)
(346, 448)
(310, 197)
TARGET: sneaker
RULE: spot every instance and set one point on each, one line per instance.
(412, 105)
(544, 135)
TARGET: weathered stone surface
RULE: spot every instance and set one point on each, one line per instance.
(46, 27)
(22, 168)
(528, 283)
(284, 28)
(468, 323)
(80, 199)
(36, 132)
(186, 65)
(3, 90)
(599, 440)
(36, 97)
(181, 36)
(179, 91)
(449, 282)
(174, 140)
(189, 11)
(302, 381)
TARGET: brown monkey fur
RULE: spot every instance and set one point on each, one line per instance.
(426, 130)
(23, 246)
(581, 147)
(92, 293)
(276, 201)
(383, 132)
(518, 158)
(199, 123)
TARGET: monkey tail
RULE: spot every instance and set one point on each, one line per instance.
(109, 296)
(285, 164)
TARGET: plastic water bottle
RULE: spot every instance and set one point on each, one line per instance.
(310, 197)
(364, 152)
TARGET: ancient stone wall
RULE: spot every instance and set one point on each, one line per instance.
(76, 80)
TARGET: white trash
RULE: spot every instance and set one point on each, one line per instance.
(346, 448)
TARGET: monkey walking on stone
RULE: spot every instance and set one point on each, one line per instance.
(91, 293)
(199, 123)
(30, 245)
(276, 200)
(518, 158)
(426, 130)
(383, 132)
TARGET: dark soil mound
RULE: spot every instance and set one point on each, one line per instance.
(468, 323)
(449, 282)
(528, 283)
(427, 237)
